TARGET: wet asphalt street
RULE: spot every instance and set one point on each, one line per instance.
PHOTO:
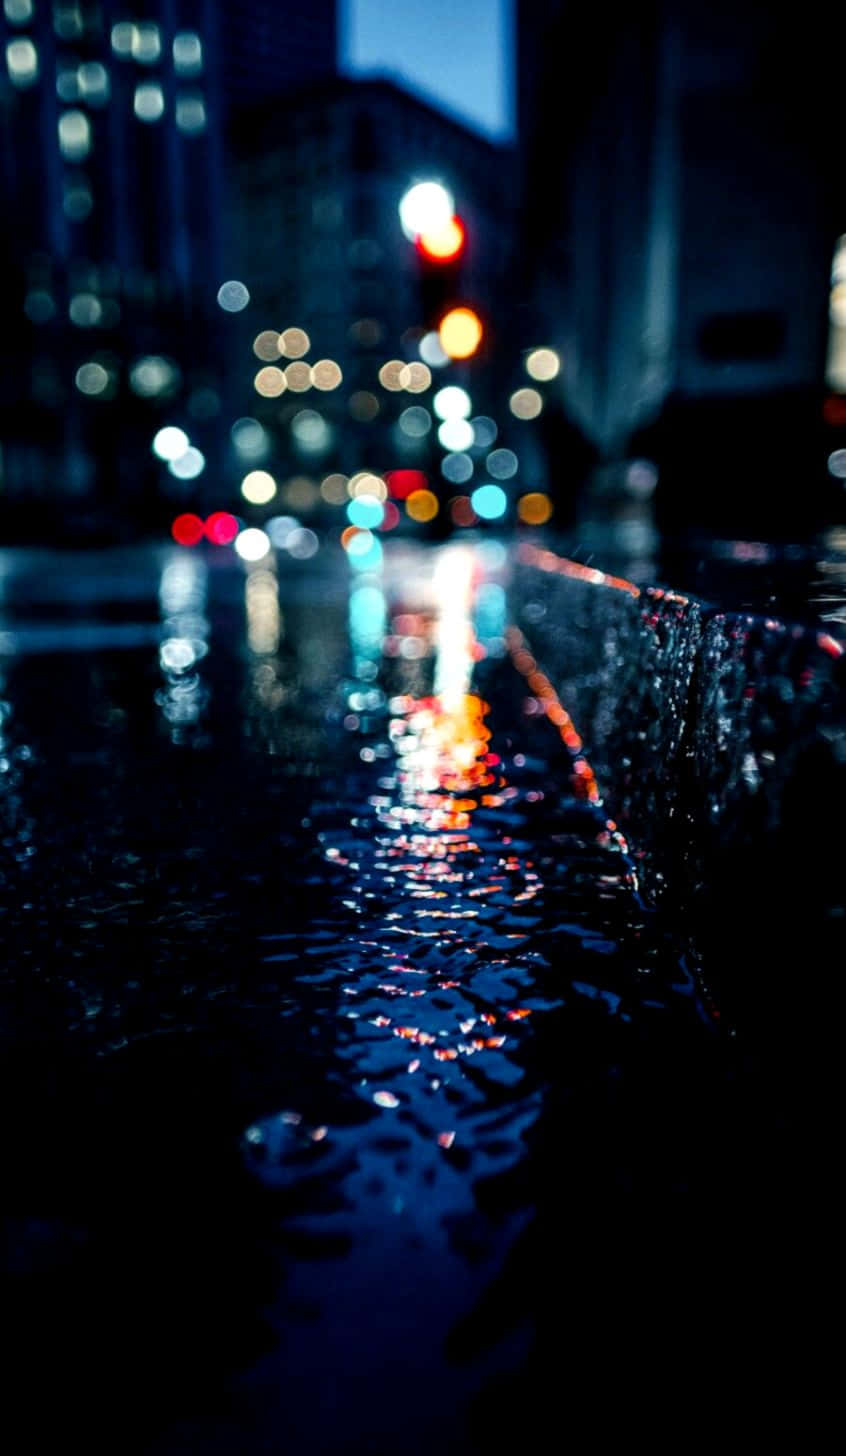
(355, 1099)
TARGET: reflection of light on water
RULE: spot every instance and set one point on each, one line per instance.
(185, 629)
(453, 585)
(261, 597)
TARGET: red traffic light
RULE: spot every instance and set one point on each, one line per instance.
(443, 244)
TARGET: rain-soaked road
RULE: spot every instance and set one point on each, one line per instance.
(353, 1100)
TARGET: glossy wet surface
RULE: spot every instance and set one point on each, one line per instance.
(354, 1099)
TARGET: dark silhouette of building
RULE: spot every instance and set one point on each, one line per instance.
(681, 209)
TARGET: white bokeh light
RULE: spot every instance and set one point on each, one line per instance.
(425, 207)
(252, 544)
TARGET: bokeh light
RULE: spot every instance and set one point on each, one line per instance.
(233, 296)
(401, 483)
(221, 528)
(279, 528)
(326, 374)
(442, 244)
(333, 489)
(452, 402)
(250, 439)
(298, 377)
(415, 378)
(526, 404)
(456, 434)
(534, 508)
(460, 333)
(363, 406)
(187, 529)
(484, 431)
(489, 502)
(92, 378)
(364, 482)
(270, 382)
(422, 505)
(501, 464)
(170, 442)
(258, 487)
(542, 364)
(266, 345)
(415, 421)
(302, 543)
(457, 468)
(252, 544)
(426, 207)
(188, 465)
(462, 512)
(293, 343)
(431, 352)
(365, 511)
(389, 374)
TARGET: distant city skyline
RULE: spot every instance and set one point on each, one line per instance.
(457, 56)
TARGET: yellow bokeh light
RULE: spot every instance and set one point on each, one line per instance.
(293, 343)
(270, 381)
(298, 377)
(415, 378)
(326, 374)
(542, 364)
(266, 344)
(258, 487)
(535, 508)
(334, 489)
(389, 374)
(422, 505)
(460, 333)
(526, 404)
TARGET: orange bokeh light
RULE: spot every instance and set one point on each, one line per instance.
(444, 244)
(460, 333)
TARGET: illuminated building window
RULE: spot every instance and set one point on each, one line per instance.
(18, 12)
(122, 37)
(67, 84)
(149, 101)
(77, 200)
(22, 62)
(191, 114)
(93, 81)
(67, 21)
(146, 44)
(74, 135)
(187, 53)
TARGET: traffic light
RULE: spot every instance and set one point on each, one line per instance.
(429, 220)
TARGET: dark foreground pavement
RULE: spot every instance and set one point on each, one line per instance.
(356, 1095)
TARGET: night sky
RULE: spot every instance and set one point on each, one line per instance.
(457, 55)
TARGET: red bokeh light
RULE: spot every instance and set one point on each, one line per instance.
(187, 530)
(462, 512)
(401, 483)
(391, 517)
(834, 410)
(221, 528)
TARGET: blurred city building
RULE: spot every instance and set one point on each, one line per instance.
(113, 123)
(332, 277)
(682, 202)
